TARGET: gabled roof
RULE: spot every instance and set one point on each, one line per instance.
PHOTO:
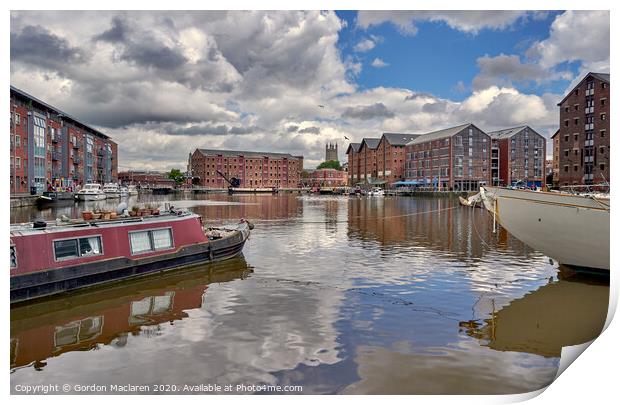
(605, 77)
(372, 143)
(555, 134)
(234, 153)
(396, 139)
(506, 133)
(443, 133)
(355, 146)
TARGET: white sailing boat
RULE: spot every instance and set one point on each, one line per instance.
(572, 229)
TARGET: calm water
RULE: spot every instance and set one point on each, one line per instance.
(333, 294)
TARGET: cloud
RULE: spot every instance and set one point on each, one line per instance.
(379, 63)
(368, 112)
(471, 21)
(367, 44)
(506, 69)
(310, 130)
(575, 36)
(209, 129)
(38, 46)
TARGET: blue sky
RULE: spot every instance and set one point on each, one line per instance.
(438, 57)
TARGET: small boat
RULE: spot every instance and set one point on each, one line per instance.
(572, 229)
(326, 190)
(55, 198)
(55, 257)
(112, 190)
(90, 192)
(250, 190)
(376, 192)
(124, 192)
(132, 190)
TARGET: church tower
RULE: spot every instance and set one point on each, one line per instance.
(331, 152)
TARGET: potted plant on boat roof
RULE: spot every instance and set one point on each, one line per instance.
(134, 211)
(87, 215)
(146, 210)
(97, 212)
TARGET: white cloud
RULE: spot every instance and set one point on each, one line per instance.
(470, 21)
(364, 45)
(575, 36)
(379, 63)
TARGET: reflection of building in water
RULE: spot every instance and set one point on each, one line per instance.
(466, 233)
(564, 313)
(252, 206)
(104, 316)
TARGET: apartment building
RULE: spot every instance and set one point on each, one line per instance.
(522, 155)
(584, 132)
(50, 147)
(252, 169)
(455, 158)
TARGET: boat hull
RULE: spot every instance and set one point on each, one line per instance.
(50, 282)
(573, 230)
(90, 197)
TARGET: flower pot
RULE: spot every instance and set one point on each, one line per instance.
(106, 215)
(145, 213)
(113, 215)
(96, 215)
(87, 215)
(133, 213)
(155, 212)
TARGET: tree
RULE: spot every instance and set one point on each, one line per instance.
(177, 176)
(330, 164)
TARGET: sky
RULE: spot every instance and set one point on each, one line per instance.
(162, 84)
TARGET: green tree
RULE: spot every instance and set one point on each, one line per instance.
(177, 176)
(330, 164)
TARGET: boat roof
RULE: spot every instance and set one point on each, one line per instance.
(79, 224)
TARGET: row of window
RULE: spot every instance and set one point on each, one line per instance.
(139, 242)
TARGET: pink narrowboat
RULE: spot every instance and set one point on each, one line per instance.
(52, 257)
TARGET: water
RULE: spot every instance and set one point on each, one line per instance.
(333, 294)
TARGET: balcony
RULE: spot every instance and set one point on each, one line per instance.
(56, 155)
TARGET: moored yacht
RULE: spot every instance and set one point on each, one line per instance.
(572, 229)
(50, 258)
(112, 190)
(90, 192)
(376, 192)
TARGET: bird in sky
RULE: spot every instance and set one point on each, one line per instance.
(322, 106)
(346, 138)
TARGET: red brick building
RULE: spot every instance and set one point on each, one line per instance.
(48, 146)
(253, 169)
(556, 158)
(354, 163)
(391, 156)
(455, 158)
(522, 155)
(146, 179)
(328, 178)
(584, 132)
(363, 162)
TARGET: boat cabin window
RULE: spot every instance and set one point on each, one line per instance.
(13, 257)
(80, 247)
(148, 241)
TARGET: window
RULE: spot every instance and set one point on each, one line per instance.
(603, 85)
(566, 138)
(18, 162)
(13, 257)
(566, 168)
(576, 107)
(147, 241)
(602, 150)
(602, 133)
(565, 123)
(17, 119)
(18, 141)
(74, 248)
(603, 101)
(603, 117)
(565, 109)
(602, 167)
(576, 121)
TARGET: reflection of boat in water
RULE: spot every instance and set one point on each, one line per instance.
(562, 313)
(106, 315)
(50, 258)
(572, 229)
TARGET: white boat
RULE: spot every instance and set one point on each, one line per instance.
(90, 192)
(572, 229)
(376, 192)
(112, 190)
(132, 190)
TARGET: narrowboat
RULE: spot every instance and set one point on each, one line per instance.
(90, 192)
(48, 258)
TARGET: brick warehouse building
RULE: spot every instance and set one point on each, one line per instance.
(48, 146)
(328, 178)
(253, 169)
(363, 162)
(145, 178)
(455, 158)
(555, 138)
(522, 155)
(584, 132)
(391, 156)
